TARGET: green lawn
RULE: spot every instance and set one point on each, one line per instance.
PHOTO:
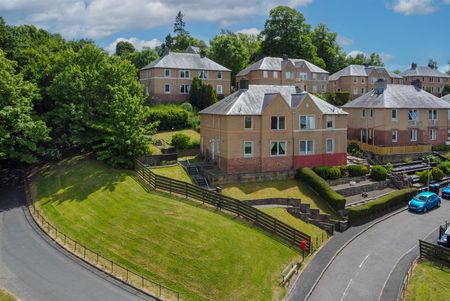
(276, 188)
(4, 296)
(202, 254)
(430, 281)
(167, 136)
(176, 172)
(307, 228)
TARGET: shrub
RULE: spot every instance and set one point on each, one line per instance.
(353, 147)
(194, 144)
(187, 107)
(357, 170)
(170, 117)
(344, 170)
(440, 148)
(378, 173)
(437, 174)
(334, 173)
(180, 141)
(423, 176)
(321, 187)
(321, 171)
(390, 200)
(328, 172)
(445, 167)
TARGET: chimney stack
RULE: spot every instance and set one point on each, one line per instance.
(413, 66)
(166, 50)
(379, 86)
(417, 83)
(285, 57)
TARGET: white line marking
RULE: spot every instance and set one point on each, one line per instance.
(361, 264)
(395, 265)
(346, 289)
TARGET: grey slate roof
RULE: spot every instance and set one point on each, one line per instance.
(179, 60)
(446, 98)
(360, 70)
(423, 71)
(399, 97)
(254, 100)
(193, 49)
(274, 64)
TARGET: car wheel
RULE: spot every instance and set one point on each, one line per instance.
(425, 209)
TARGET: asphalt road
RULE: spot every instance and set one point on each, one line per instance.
(33, 268)
(365, 267)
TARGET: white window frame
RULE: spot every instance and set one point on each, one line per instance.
(371, 113)
(328, 119)
(245, 122)
(246, 155)
(303, 76)
(314, 76)
(413, 137)
(416, 117)
(219, 91)
(355, 91)
(278, 142)
(433, 113)
(275, 74)
(433, 134)
(395, 119)
(363, 113)
(448, 134)
(289, 75)
(324, 77)
(448, 114)
(308, 124)
(278, 123)
(219, 75)
(394, 132)
(187, 88)
(314, 88)
(167, 73)
(265, 74)
(306, 152)
(203, 74)
(185, 74)
(332, 146)
(170, 88)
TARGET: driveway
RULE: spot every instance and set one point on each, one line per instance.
(368, 267)
(33, 268)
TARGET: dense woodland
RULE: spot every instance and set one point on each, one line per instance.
(57, 95)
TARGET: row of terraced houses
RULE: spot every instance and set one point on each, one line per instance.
(274, 121)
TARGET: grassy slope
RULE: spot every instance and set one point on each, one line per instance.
(4, 296)
(176, 172)
(167, 136)
(202, 254)
(276, 188)
(430, 282)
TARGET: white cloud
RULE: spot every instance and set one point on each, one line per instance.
(344, 41)
(102, 18)
(386, 57)
(414, 7)
(253, 31)
(354, 53)
(137, 43)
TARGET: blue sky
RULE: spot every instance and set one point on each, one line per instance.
(401, 30)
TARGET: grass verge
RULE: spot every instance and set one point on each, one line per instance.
(167, 136)
(181, 244)
(4, 296)
(176, 172)
(430, 281)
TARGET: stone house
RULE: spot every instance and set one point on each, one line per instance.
(169, 78)
(268, 128)
(433, 81)
(285, 72)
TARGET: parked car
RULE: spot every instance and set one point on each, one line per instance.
(446, 192)
(424, 201)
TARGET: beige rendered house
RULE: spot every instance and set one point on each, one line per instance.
(432, 80)
(396, 120)
(265, 128)
(285, 72)
(169, 78)
(360, 79)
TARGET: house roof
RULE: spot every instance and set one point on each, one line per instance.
(274, 64)
(178, 60)
(193, 49)
(446, 98)
(360, 70)
(256, 98)
(399, 97)
(423, 71)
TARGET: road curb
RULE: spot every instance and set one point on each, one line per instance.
(346, 244)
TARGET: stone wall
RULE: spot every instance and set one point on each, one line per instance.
(346, 180)
(358, 189)
(223, 178)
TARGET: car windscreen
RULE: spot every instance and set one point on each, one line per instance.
(421, 198)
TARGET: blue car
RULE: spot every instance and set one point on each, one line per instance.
(446, 192)
(424, 201)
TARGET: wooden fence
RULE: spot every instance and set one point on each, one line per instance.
(434, 252)
(392, 150)
(159, 160)
(260, 219)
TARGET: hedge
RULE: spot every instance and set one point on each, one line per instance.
(328, 172)
(169, 117)
(385, 202)
(445, 167)
(322, 188)
(378, 173)
(357, 170)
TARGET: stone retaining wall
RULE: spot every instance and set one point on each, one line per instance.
(223, 178)
(346, 180)
(358, 189)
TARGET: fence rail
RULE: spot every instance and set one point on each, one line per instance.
(258, 218)
(392, 150)
(95, 259)
(434, 252)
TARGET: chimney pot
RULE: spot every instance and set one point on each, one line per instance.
(413, 66)
(379, 86)
(285, 57)
(417, 83)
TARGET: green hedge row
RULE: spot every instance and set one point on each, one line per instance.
(328, 172)
(321, 186)
(390, 200)
(169, 117)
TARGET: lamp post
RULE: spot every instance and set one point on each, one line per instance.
(428, 173)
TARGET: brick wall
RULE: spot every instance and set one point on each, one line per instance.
(320, 160)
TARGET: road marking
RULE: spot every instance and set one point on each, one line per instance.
(346, 289)
(395, 265)
(361, 264)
